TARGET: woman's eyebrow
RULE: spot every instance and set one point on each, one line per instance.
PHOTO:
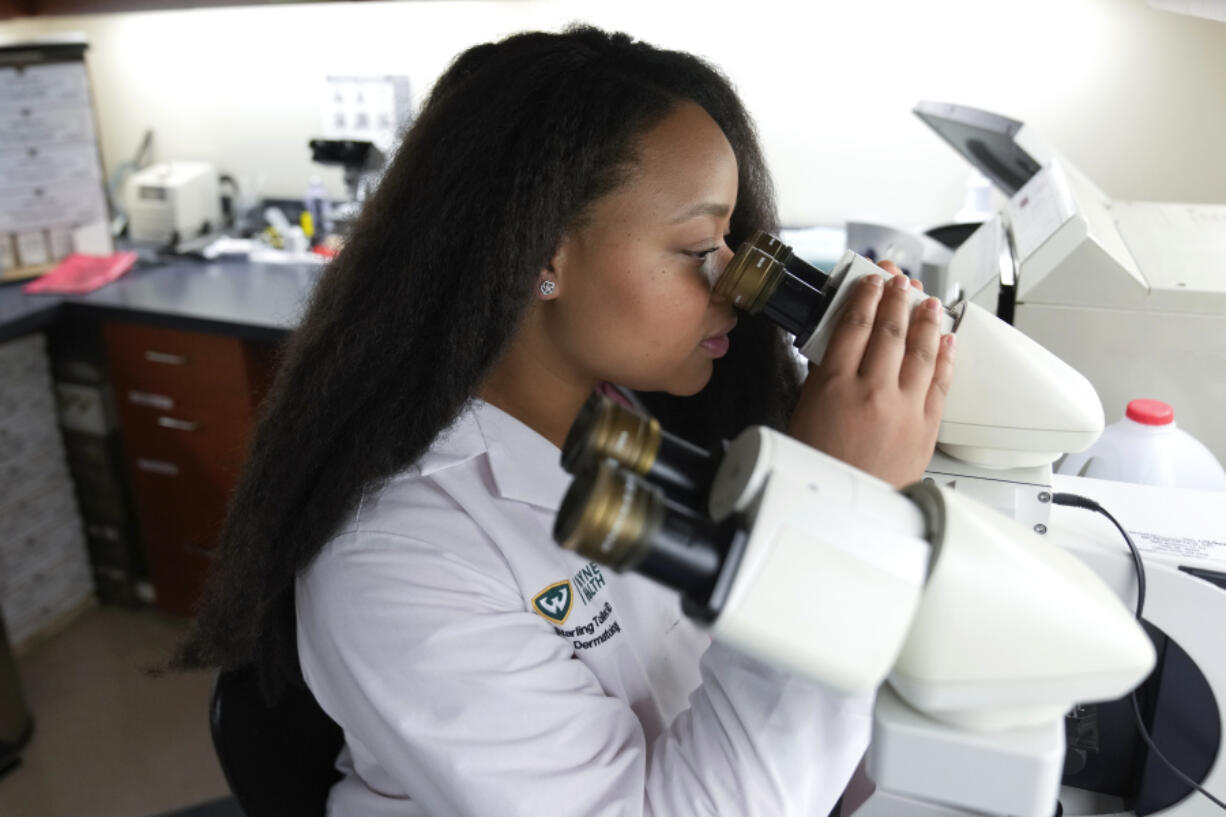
(705, 209)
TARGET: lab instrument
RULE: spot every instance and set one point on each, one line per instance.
(1127, 292)
(815, 567)
(172, 203)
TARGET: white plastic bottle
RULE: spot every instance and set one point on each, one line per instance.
(1148, 448)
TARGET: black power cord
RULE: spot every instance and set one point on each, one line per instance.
(1077, 501)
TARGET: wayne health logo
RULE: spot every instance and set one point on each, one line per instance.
(554, 602)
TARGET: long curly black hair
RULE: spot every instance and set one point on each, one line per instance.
(515, 143)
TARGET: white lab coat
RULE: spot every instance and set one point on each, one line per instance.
(479, 669)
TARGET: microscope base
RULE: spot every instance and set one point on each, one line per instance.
(926, 768)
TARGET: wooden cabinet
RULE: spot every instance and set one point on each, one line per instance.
(186, 402)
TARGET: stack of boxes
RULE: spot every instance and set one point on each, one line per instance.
(44, 565)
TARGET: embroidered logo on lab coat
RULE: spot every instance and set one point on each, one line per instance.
(554, 602)
(588, 581)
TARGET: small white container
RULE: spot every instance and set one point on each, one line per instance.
(1146, 447)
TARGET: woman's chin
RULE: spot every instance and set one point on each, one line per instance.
(690, 385)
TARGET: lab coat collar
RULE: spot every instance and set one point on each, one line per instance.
(526, 467)
(458, 443)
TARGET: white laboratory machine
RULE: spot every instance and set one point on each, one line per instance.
(1131, 294)
(173, 203)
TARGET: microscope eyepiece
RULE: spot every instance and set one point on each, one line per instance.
(605, 429)
(607, 515)
(764, 275)
(752, 275)
(616, 518)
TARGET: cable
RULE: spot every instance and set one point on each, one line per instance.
(1077, 501)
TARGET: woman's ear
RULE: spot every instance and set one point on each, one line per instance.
(550, 284)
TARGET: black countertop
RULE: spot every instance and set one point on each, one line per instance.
(239, 298)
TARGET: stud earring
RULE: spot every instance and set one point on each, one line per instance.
(547, 288)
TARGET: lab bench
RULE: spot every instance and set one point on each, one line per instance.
(124, 419)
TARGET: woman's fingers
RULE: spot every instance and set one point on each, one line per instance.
(845, 350)
(942, 377)
(923, 343)
(884, 352)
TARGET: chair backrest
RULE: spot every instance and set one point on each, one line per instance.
(278, 760)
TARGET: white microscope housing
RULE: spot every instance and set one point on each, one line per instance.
(986, 632)
(976, 620)
(1012, 403)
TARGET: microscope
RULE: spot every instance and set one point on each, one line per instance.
(978, 630)
(1014, 408)
(362, 163)
(983, 632)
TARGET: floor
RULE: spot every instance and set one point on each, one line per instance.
(110, 739)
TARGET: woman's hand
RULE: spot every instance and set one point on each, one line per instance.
(875, 400)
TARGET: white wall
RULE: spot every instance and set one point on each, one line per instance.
(1135, 96)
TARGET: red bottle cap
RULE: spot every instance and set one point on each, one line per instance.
(1150, 412)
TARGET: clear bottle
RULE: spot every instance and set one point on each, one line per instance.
(315, 202)
(1146, 447)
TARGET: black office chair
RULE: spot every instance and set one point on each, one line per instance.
(278, 760)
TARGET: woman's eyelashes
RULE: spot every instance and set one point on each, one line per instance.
(702, 254)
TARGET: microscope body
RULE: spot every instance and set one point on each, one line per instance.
(1014, 408)
(979, 633)
(975, 619)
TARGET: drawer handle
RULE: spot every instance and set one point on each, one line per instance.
(166, 469)
(146, 398)
(178, 425)
(164, 357)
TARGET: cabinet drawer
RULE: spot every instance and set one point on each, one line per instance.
(183, 367)
(215, 436)
(178, 503)
(178, 577)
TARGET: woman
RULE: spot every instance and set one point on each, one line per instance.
(552, 223)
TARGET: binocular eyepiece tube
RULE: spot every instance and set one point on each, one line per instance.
(615, 517)
(638, 502)
(764, 275)
(605, 429)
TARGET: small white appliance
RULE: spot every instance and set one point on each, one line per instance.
(171, 203)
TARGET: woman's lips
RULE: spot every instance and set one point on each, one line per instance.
(716, 346)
